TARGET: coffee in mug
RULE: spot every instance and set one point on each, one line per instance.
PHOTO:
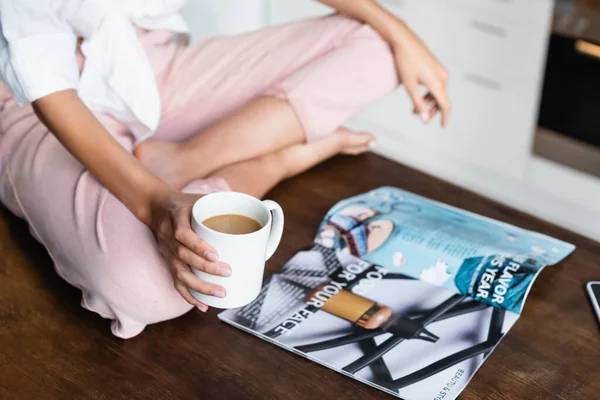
(245, 232)
(233, 224)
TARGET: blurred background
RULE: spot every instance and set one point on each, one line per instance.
(525, 86)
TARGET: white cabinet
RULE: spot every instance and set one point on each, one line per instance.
(523, 12)
(494, 51)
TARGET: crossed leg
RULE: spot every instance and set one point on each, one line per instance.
(291, 84)
(256, 100)
(278, 166)
(286, 152)
(259, 175)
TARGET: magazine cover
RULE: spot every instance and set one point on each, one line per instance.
(442, 245)
(401, 293)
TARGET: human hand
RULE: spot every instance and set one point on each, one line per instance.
(170, 220)
(416, 66)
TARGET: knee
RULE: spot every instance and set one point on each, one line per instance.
(133, 320)
(365, 34)
(128, 278)
(368, 45)
(134, 294)
(153, 300)
(353, 31)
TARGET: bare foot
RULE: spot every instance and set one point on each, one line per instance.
(298, 158)
(164, 159)
(354, 143)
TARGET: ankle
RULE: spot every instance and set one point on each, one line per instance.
(341, 141)
(276, 165)
(202, 158)
(183, 164)
(189, 157)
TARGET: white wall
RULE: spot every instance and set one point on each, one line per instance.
(550, 191)
(487, 146)
(216, 17)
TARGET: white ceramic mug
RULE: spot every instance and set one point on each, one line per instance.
(245, 254)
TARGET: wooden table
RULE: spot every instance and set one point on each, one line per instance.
(50, 348)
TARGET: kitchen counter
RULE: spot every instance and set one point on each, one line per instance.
(50, 348)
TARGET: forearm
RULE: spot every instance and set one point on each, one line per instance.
(86, 139)
(369, 11)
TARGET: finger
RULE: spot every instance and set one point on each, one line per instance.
(187, 296)
(186, 236)
(441, 98)
(429, 98)
(179, 268)
(354, 151)
(195, 261)
(414, 92)
(193, 282)
(430, 101)
(164, 250)
(434, 110)
(444, 76)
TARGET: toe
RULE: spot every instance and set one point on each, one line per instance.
(354, 139)
(355, 142)
(354, 151)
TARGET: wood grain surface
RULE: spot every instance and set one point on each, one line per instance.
(50, 348)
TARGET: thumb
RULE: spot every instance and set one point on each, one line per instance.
(412, 88)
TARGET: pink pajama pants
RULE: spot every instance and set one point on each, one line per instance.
(328, 69)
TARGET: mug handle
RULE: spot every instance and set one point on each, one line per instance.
(276, 227)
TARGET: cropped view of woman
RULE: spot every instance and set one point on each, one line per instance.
(112, 125)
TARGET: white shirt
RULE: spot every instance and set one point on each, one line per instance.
(38, 40)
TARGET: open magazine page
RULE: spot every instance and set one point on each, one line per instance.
(410, 338)
(401, 292)
(445, 246)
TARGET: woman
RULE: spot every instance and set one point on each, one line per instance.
(112, 127)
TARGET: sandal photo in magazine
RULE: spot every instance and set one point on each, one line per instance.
(401, 292)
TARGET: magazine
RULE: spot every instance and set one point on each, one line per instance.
(401, 292)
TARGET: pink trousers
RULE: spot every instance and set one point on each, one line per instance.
(328, 69)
